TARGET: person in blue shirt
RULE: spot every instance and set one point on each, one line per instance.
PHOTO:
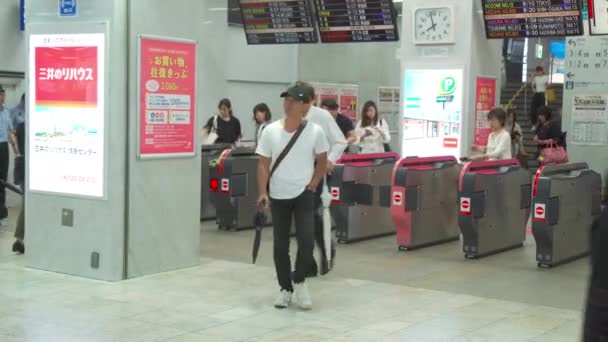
(6, 130)
(18, 112)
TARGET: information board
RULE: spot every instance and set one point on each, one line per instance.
(167, 98)
(66, 125)
(589, 120)
(346, 95)
(485, 101)
(537, 18)
(278, 21)
(343, 21)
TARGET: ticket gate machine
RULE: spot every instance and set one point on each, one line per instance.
(424, 204)
(235, 190)
(208, 153)
(495, 199)
(567, 200)
(360, 190)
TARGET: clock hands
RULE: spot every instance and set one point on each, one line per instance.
(433, 25)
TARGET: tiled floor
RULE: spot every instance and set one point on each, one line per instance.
(375, 294)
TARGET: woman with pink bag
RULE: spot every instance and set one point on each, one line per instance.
(549, 138)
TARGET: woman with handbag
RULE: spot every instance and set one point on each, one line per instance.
(549, 139)
(222, 128)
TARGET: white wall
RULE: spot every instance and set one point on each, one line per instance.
(245, 74)
(12, 46)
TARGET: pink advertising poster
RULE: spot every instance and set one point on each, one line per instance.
(485, 100)
(167, 94)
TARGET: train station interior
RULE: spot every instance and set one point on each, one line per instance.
(133, 136)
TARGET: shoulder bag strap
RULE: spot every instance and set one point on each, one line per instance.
(288, 147)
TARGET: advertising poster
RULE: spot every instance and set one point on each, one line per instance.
(485, 100)
(432, 112)
(67, 114)
(348, 102)
(167, 92)
(347, 96)
(589, 120)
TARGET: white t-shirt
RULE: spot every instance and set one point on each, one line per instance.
(540, 83)
(331, 130)
(296, 170)
(499, 146)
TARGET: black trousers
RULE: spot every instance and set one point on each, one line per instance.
(537, 101)
(4, 160)
(596, 315)
(301, 209)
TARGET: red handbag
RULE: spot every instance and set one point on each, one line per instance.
(553, 154)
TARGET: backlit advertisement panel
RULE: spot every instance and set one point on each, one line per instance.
(66, 114)
(432, 113)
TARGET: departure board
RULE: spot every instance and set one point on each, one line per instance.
(532, 18)
(344, 21)
(278, 21)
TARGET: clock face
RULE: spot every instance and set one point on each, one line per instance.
(433, 25)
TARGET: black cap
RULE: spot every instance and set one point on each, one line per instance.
(299, 93)
(330, 103)
(1, 90)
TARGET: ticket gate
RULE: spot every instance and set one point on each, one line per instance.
(360, 191)
(208, 153)
(234, 191)
(424, 204)
(495, 199)
(567, 200)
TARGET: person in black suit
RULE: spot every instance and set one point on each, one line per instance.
(596, 314)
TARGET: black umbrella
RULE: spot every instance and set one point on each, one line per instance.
(259, 220)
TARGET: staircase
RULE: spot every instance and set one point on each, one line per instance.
(519, 97)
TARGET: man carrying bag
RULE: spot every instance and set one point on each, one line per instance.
(288, 149)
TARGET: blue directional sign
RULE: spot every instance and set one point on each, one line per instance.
(68, 8)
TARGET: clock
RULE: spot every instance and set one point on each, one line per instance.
(434, 25)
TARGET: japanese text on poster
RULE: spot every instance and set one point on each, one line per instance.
(485, 100)
(347, 96)
(589, 120)
(167, 98)
(67, 114)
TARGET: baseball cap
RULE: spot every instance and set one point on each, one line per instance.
(1, 90)
(330, 103)
(299, 93)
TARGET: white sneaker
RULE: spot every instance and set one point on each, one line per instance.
(303, 296)
(283, 300)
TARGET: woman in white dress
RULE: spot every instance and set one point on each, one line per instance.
(372, 131)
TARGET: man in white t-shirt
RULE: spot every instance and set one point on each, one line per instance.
(337, 144)
(292, 191)
(540, 82)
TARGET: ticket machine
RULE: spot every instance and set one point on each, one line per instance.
(494, 199)
(566, 202)
(424, 203)
(360, 188)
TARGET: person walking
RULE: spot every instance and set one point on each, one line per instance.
(540, 82)
(287, 180)
(337, 144)
(6, 130)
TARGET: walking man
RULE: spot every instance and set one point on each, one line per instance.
(337, 144)
(288, 150)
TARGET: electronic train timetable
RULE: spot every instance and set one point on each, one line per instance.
(278, 21)
(532, 18)
(344, 21)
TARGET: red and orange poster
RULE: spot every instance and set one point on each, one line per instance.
(167, 94)
(485, 100)
(67, 114)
